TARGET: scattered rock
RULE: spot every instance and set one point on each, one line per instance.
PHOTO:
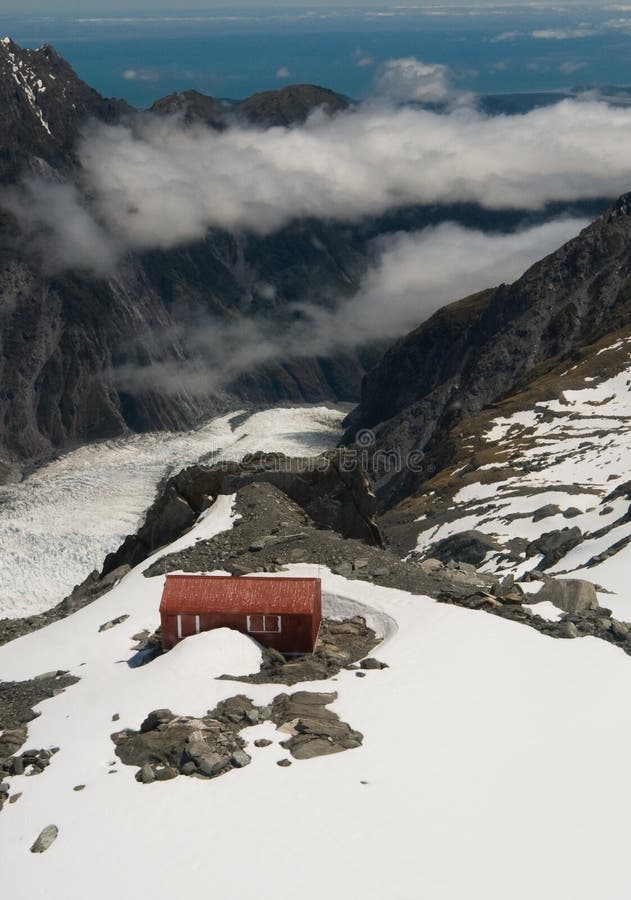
(572, 512)
(283, 763)
(79, 787)
(46, 839)
(340, 644)
(113, 623)
(263, 742)
(372, 663)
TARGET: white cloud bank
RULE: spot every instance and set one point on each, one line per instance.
(409, 79)
(415, 274)
(159, 185)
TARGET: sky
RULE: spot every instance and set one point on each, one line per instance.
(54, 7)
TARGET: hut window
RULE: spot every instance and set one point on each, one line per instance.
(264, 624)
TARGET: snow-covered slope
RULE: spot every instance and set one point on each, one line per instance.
(60, 523)
(493, 765)
(563, 463)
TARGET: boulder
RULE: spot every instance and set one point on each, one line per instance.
(620, 629)
(572, 595)
(212, 764)
(431, 565)
(46, 839)
(155, 718)
(466, 547)
(372, 663)
(567, 630)
(553, 545)
(146, 775)
(240, 759)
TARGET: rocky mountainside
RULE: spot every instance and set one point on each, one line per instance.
(66, 337)
(489, 346)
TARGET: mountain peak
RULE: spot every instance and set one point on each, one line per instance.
(43, 103)
(622, 207)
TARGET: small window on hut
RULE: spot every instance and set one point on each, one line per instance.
(264, 624)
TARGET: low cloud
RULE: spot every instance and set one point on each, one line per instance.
(563, 34)
(157, 185)
(283, 72)
(505, 36)
(58, 229)
(154, 184)
(569, 68)
(140, 75)
(362, 60)
(410, 80)
(412, 276)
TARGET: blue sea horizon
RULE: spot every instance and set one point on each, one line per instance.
(236, 53)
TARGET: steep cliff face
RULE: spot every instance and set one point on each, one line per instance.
(483, 348)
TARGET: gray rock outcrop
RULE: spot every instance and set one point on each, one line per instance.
(469, 547)
(572, 595)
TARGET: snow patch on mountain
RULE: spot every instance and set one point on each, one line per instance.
(27, 81)
(60, 523)
(555, 467)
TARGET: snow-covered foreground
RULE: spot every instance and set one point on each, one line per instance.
(494, 762)
(58, 525)
(570, 453)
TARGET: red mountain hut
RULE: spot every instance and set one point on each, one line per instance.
(283, 613)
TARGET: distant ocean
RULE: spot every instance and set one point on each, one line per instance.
(234, 54)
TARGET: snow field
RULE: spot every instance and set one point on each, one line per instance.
(489, 754)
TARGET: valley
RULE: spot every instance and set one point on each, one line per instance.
(384, 346)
